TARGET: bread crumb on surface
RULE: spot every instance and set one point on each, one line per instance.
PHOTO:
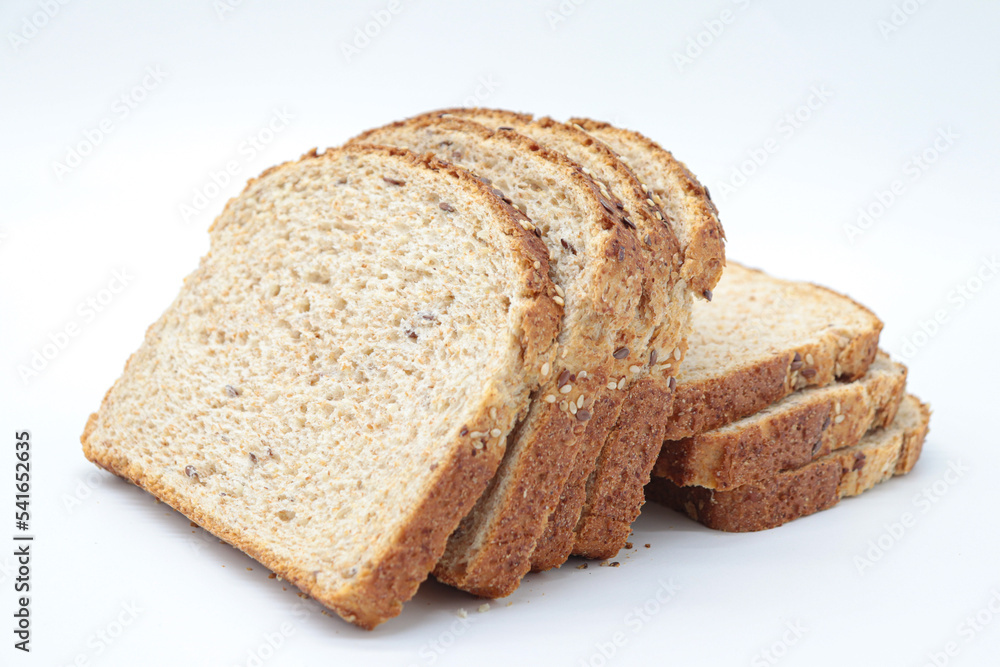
(647, 545)
(483, 608)
(462, 613)
(581, 566)
(628, 545)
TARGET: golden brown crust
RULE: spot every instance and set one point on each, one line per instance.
(784, 438)
(615, 488)
(489, 555)
(705, 254)
(795, 493)
(379, 591)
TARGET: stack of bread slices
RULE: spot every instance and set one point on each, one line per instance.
(461, 344)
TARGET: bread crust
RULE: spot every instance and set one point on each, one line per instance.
(705, 254)
(662, 326)
(795, 493)
(492, 548)
(786, 436)
(379, 590)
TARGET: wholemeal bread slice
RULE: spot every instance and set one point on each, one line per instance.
(601, 270)
(761, 339)
(797, 429)
(332, 388)
(663, 315)
(816, 486)
(614, 488)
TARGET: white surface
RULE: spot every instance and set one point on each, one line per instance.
(888, 97)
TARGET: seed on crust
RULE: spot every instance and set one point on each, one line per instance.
(673, 383)
(550, 398)
(612, 384)
(809, 360)
(621, 353)
(190, 471)
(393, 181)
(559, 300)
(839, 419)
(563, 379)
(634, 369)
(496, 433)
(565, 389)
(580, 401)
(652, 357)
(445, 206)
(572, 407)
(677, 354)
(707, 294)
(621, 383)
(583, 414)
(809, 373)
(546, 369)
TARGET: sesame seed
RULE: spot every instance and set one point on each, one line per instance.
(550, 398)
(559, 300)
(621, 383)
(522, 208)
(476, 434)
(537, 265)
(621, 353)
(546, 369)
(837, 407)
(634, 369)
(582, 415)
(527, 226)
(677, 354)
(580, 401)
(612, 385)
(565, 389)
(496, 433)
(659, 216)
(572, 407)
(560, 291)
(810, 360)
(493, 413)
(839, 419)
(564, 352)
(582, 375)
(650, 202)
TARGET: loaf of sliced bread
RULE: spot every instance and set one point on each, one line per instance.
(761, 339)
(663, 316)
(615, 487)
(600, 269)
(333, 387)
(797, 429)
(816, 486)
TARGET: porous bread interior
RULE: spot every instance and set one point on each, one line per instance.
(318, 365)
(753, 317)
(536, 186)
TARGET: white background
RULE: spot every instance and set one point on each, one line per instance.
(107, 553)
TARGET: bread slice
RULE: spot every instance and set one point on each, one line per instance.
(615, 487)
(332, 388)
(816, 486)
(663, 315)
(761, 339)
(797, 429)
(601, 270)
